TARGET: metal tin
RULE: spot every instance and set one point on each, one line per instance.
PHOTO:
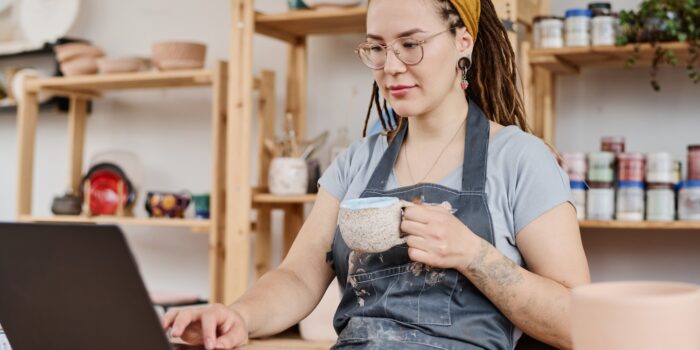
(630, 167)
(660, 168)
(689, 201)
(600, 203)
(694, 162)
(600, 167)
(614, 144)
(630, 201)
(575, 165)
(661, 202)
(578, 191)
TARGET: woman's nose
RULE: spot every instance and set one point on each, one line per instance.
(393, 64)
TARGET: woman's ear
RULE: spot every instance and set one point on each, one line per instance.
(464, 42)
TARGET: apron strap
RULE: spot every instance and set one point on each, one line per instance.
(475, 150)
(386, 163)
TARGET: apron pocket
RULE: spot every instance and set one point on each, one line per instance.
(411, 293)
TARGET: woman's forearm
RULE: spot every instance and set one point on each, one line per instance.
(537, 305)
(279, 300)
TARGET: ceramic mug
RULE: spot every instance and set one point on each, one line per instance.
(373, 224)
(636, 316)
(167, 204)
(288, 176)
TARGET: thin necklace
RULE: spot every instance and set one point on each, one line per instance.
(405, 155)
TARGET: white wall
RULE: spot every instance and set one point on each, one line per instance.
(169, 130)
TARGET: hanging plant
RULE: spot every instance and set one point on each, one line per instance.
(660, 21)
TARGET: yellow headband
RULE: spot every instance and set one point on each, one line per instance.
(470, 11)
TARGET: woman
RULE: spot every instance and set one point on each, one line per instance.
(502, 262)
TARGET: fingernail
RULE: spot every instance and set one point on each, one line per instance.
(209, 343)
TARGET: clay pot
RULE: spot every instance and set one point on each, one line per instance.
(178, 55)
(288, 176)
(636, 316)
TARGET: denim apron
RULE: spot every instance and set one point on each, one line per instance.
(390, 302)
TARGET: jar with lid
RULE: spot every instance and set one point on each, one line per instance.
(600, 201)
(575, 165)
(630, 167)
(578, 191)
(578, 24)
(604, 29)
(694, 162)
(689, 201)
(661, 202)
(600, 167)
(614, 144)
(630, 201)
(660, 168)
(552, 32)
(600, 8)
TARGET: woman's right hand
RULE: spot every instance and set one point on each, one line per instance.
(215, 326)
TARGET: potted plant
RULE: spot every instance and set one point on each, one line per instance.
(658, 21)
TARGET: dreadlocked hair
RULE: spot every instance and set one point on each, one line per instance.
(492, 75)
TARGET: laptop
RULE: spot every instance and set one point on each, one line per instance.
(74, 287)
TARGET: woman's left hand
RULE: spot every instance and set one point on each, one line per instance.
(437, 238)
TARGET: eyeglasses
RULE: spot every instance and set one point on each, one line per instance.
(409, 51)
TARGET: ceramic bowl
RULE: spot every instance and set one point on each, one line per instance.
(120, 65)
(636, 316)
(173, 55)
(71, 51)
(83, 65)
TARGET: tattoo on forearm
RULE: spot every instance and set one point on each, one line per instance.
(495, 278)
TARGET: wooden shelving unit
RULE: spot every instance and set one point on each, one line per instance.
(81, 90)
(643, 225)
(572, 60)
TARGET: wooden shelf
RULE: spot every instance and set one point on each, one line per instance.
(289, 26)
(571, 60)
(294, 24)
(89, 84)
(196, 225)
(643, 225)
(266, 198)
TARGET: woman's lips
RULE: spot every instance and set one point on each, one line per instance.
(400, 90)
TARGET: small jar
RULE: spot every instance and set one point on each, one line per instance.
(630, 201)
(630, 167)
(578, 191)
(600, 201)
(575, 165)
(552, 33)
(661, 202)
(604, 30)
(694, 162)
(537, 31)
(660, 168)
(689, 201)
(600, 167)
(578, 23)
(600, 8)
(614, 144)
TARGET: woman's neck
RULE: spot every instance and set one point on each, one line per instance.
(440, 123)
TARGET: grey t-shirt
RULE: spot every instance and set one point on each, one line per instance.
(524, 180)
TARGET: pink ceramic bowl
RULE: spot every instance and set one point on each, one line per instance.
(173, 55)
(636, 316)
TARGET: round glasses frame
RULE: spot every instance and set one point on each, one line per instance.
(368, 46)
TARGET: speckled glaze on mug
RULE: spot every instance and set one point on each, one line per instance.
(371, 225)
